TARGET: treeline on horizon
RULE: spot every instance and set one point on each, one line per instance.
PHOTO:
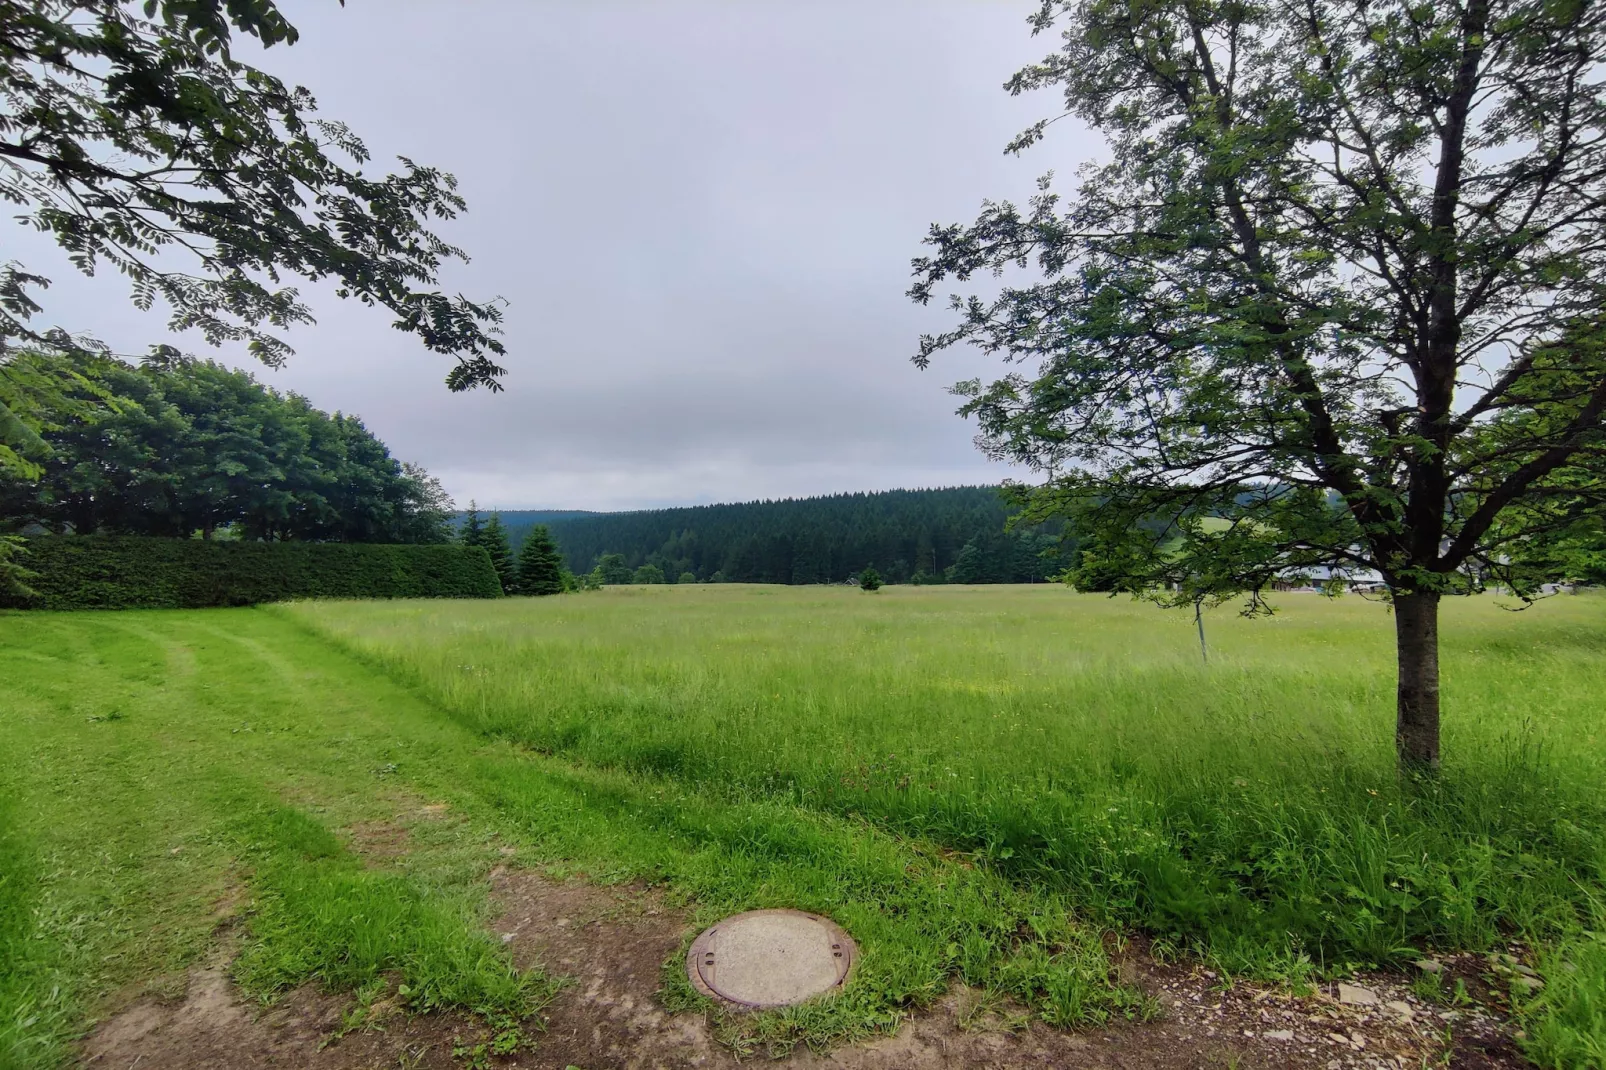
(184, 448)
(949, 535)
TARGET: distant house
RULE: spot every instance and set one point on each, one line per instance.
(1320, 578)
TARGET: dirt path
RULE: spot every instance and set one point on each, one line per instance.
(613, 943)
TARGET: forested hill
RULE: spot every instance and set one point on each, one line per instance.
(518, 522)
(954, 534)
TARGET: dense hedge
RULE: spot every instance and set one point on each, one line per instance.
(128, 572)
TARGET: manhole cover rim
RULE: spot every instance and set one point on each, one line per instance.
(841, 943)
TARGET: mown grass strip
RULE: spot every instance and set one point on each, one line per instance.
(33, 1010)
(144, 763)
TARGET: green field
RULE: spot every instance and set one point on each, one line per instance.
(978, 782)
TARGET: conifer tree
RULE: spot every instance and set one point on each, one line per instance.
(540, 565)
(494, 538)
(473, 532)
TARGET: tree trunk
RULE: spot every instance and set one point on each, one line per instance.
(1416, 628)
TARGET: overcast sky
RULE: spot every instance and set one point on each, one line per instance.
(701, 216)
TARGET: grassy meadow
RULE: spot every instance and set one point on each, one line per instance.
(978, 782)
(1080, 742)
(1246, 810)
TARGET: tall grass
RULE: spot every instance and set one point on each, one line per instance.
(1247, 809)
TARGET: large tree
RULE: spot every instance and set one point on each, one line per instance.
(135, 136)
(192, 446)
(1334, 300)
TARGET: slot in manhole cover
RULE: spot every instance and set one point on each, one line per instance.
(770, 958)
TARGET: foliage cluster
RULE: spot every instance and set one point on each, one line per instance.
(648, 573)
(128, 571)
(138, 140)
(541, 570)
(1342, 255)
(491, 536)
(178, 447)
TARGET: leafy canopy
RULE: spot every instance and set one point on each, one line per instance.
(648, 574)
(134, 136)
(1334, 300)
(185, 446)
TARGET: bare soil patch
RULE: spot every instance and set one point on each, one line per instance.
(613, 942)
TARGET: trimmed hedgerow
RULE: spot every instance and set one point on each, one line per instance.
(135, 572)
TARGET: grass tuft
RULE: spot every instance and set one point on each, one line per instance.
(1566, 1022)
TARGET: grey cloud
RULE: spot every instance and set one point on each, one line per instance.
(701, 216)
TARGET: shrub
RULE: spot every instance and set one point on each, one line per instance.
(137, 572)
(613, 568)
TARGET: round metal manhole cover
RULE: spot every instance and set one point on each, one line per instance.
(770, 958)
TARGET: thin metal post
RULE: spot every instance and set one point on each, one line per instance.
(1198, 618)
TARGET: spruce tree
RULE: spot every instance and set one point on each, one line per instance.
(540, 565)
(473, 532)
(494, 539)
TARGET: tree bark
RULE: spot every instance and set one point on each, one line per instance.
(1416, 627)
